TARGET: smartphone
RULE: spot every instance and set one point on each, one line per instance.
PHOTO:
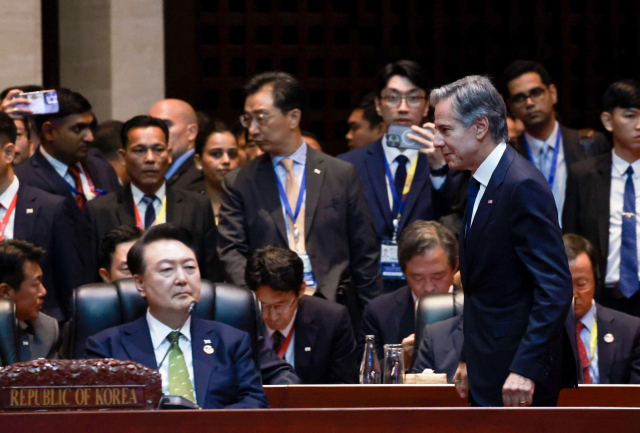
(42, 102)
(397, 137)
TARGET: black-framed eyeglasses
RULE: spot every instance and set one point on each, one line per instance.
(396, 99)
(534, 94)
(281, 309)
(260, 119)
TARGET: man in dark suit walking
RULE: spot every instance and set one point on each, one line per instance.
(296, 197)
(514, 269)
(208, 362)
(312, 334)
(601, 200)
(147, 200)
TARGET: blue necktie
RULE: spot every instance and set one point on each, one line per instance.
(628, 283)
(150, 213)
(472, 193)
(401, 175)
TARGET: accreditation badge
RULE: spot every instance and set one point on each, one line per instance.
(389, 264)
(308, 272)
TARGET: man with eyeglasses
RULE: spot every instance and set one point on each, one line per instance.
(294, 196)
(403, 185)
(312, 334)
(551, 147)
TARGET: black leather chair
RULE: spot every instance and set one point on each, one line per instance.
(9, 350)
(100, 306)
(435, 307)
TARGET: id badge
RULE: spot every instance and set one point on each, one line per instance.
(308, 272)
(389, 264)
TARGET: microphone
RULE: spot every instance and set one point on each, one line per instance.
(192, 306)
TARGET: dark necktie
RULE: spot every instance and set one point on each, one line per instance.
(80, 197)
(401, 176)
(150, 213)
(628, 283)
(472, 193)
(582, 351)
(278, 340)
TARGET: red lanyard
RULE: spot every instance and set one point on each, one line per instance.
(138, 220)
(89, 181)
(7, 216)
(285, 345)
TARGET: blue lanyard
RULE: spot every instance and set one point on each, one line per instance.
(554, 161)
(98, 192)
(397, 203)
(285, 200)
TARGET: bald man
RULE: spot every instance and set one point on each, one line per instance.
(183, 129)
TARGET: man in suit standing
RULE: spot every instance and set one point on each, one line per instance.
(114, 247)
(312, 334)
(551, 147)
(21, 281)
(44, 219)
(428, 255)
(294, 196)
(147, 200)
(608, 340)
(403, 185)
(208, 362)
(601, 199)
(365, 124)
(182, 122)
(514, 269)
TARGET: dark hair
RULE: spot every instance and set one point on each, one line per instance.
(14, 254)
(404, 68)
(521, 67)
(287, 92)
(142, 121)
(420, 237)
(279, 268)
(8, 130)
(70, 102)
(215, 126)
(622, 94)
(160, 232)
(368, 106)
(106, 139)
(574, 245)
(111, 240)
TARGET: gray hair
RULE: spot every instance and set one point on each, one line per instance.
(420, 237)
(472, 97)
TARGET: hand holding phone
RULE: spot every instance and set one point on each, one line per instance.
(41, 102)
(12, 100)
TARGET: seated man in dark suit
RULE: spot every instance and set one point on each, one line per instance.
(614, 356)
(440, 347)
(312, 334)
(114, 248)
(428, 255)
(147, 200)
(209, 363)
(21, 281)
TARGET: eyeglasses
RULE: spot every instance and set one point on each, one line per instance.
(219, 153)
(396, 99)
(260, 119)
(534, 94)
(281, 309)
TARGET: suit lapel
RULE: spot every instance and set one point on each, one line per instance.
(137, 343)
(202, 361)
(521, 147)
(606, 351)
(267, 187)
(49, 175)
(419, 183)
(175, 207)
(24, 221)
(569, 145)
(306, 332)
(94, 174)
(376, 172)
(315, 175)
(125, 209)
(603, 193)
(457, 338)
(407, 319)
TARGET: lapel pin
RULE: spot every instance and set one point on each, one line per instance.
(608, 338)
(307, 349)
(207, 341)
(208, 349)
(25, 343)
(29, 210)
(490, 202)
(316, 171)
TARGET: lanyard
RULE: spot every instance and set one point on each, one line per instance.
(285, 345)
(95, 192)
(159, 218)
(594, 340)
(7, 216)
(397, 202)
(554, 161)
(285, 200)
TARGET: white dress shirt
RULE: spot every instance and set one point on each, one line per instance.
(289, 355)
(63, 170)
(5, 201)
(160, 341)
(616, 205)
(157, 204)
(588, 320)
(484, 172)
(560, 183)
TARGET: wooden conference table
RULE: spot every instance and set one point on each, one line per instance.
(388, 408)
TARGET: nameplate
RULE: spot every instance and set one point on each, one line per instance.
(73, 397)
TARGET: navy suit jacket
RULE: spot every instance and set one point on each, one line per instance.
(517, 285)
(618, 360)
(423, 202)
(45, 220)
(188, 177)
(227, 378)
(440, 347)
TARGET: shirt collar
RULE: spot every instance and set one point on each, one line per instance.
(536, 145)
(589, 317)
(488, 166)
(7, 196)
(138, 195)
(159, 331)
(620, 166)
(286, 330)
(391, 153)
(60, 167)
(299, 156)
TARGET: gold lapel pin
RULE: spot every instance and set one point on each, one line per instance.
(307, 349)
(316, 171)
(29, 210)
(208, 349)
